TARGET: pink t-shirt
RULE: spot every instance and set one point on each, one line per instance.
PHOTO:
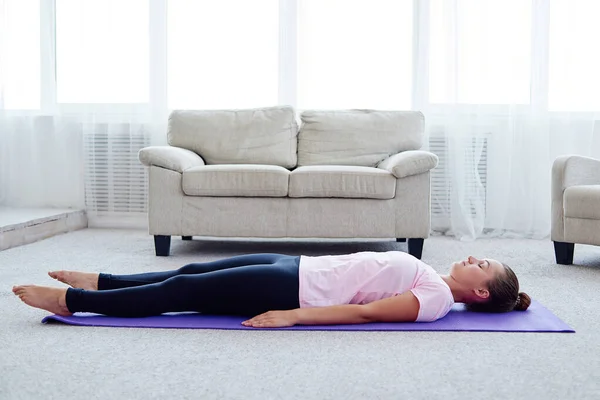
(364, 277)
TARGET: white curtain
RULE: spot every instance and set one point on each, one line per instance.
(39, 162)
(505, 86)
(508, 86)
(74, 109)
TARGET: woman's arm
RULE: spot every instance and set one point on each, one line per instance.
(401, 308)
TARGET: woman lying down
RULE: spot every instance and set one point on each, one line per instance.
(276, 290)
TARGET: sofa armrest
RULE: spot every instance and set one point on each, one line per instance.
(567, 171)
(170, 157)
(409, 163)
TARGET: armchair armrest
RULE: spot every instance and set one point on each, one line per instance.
(567, 171)
(170, 157)
(409, 163)
(573, 170)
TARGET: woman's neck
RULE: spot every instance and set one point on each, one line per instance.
(458, 291)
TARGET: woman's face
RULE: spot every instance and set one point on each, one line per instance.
(474, 274)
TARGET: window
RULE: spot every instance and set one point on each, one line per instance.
(102, 51)
(222, 54)
(574, 74)
(480, 51)
(344, 53)
(20, 54)
(355, 54)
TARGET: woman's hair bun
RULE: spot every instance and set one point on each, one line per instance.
(523, 302)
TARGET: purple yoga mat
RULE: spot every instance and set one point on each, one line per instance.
(536, 319)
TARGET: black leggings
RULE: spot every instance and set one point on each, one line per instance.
(244, 285)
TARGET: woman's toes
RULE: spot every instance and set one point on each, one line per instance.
(58, 275)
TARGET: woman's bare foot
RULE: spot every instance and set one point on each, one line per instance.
(79, 280)
(46, 298)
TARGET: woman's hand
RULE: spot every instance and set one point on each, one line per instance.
(273, 319)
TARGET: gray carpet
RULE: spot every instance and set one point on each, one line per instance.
(65, 362)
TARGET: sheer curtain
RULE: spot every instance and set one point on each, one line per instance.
(38, 167)
(508, 86)
(74, 92)
(505, 86)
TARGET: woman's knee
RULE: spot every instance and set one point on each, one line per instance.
(193, 268)
(181, 285)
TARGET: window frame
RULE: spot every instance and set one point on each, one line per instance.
(287, 92)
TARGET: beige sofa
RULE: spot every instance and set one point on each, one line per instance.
(253, 173)
(575, 205)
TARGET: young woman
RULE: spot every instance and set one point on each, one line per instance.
(281, 290)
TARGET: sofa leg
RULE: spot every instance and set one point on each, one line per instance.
(186, 238)
(162, 245)
(564, 252)
(415, 247)
(401, 240)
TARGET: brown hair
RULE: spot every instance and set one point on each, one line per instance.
(504, 295)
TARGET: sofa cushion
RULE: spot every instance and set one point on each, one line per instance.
(357, 137)
(253, 136)
(582, 201)
(236, 180)
(342, 181)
